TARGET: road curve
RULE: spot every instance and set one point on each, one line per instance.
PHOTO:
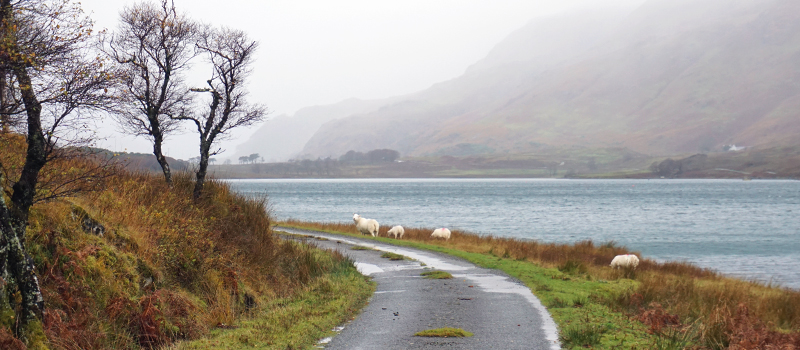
(500, 311)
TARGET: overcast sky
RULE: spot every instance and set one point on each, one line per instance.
(322, 52)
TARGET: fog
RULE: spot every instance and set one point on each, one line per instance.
(322, 52)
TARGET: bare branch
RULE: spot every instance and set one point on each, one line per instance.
(45, 71)
(154, 44)
(230, 53)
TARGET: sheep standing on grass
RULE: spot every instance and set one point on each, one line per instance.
(441, 233)
(397, 232)
(366, 226)
(627, 261)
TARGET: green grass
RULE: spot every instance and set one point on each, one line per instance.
(437, 275)
(360, 247)
(298, 322)
(581, 336)
(393, 256)
(446, 332)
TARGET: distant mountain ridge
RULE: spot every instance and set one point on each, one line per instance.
(672, 76)
(283, 137)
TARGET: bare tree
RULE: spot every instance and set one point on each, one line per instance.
(155, 44)
(49, 80)
(230, 54)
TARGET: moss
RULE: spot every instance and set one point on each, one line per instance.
(6, 312)
(34, 336)
(446, 332)
(437, 275)
(392, 256)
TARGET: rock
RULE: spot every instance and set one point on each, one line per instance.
(88, 224)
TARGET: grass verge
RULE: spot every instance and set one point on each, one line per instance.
(297, 322)
(392, 256)
(446, 332)
(658, 304)
(437, 275)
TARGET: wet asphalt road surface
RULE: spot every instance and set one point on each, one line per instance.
(501, 312)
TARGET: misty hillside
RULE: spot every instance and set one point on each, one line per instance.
(283, 137)
(669, 77)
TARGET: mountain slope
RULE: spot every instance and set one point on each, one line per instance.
(412, 121)
(283, 137)
(673, 76)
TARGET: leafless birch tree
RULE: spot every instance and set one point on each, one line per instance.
(230, 54)
(155, 44)
(50, 79)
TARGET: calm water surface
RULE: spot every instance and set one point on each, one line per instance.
(749, 229)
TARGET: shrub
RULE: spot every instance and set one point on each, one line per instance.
(583, 336)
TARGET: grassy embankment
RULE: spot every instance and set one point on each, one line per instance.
(170, 271)
(658, 306)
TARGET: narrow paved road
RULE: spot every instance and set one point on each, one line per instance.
(500, 311)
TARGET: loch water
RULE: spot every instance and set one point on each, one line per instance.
(747, 229)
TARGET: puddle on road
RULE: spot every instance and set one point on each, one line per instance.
(367, 269)
(389, 291)
(502, 284)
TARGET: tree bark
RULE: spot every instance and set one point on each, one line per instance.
(201, 170)
(17, 265)
(14, 220)
(4, 117)
(36, 158)
(207, 135)
(158, 139)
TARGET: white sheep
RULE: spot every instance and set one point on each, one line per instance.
(366, 226)
(397, 232)
(625, 261)
(441, 233)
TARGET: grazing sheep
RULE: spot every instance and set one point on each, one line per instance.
(441, 233)
(366, 226)
(625, 261)
(397, 232)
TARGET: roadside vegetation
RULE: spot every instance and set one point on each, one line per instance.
(446, 332)
(392, 256)
(436, 275)
(672, 305)
(139, 264)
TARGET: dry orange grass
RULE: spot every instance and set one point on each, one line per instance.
(721, 305)
(167, 267)
(547, 254)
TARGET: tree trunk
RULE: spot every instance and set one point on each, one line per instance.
(25, 188)
(202, 169)
(208, 134)
(14, 222)
(19, 266)
(4, 113)
(158, 139)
